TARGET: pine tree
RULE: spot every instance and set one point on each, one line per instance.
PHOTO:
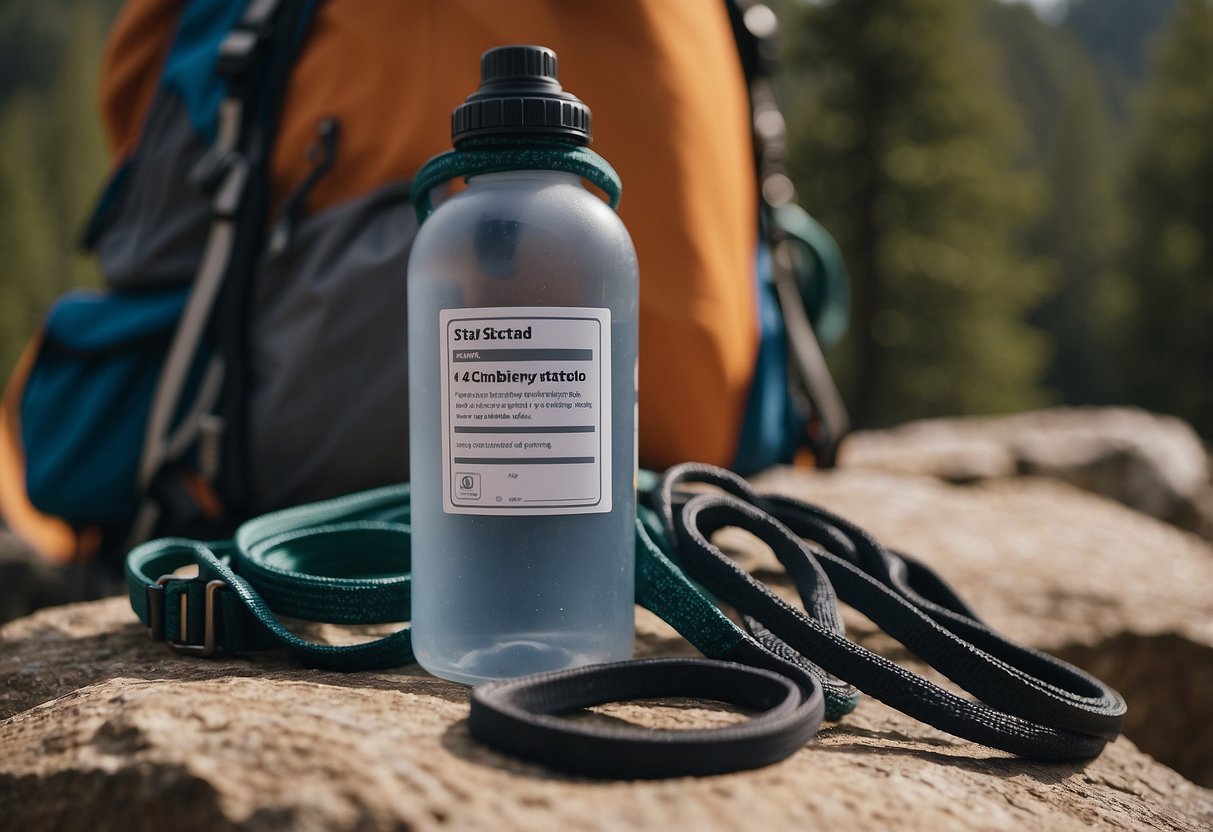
(904, 153)
(27, 228)
(1076, 233)
(78, 145)
(1168, 259)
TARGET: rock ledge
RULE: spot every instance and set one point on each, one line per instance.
(102, 729)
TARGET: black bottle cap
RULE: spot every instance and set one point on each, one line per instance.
(520, 96)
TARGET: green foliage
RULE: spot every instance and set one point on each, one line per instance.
(1037, 65)
(1076, 144)
(52, 158)
(1077, 235)
(1167, 296)
(1113, 33)
(27, 222)
(904, 151)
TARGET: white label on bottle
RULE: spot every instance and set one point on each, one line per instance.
(526, 410)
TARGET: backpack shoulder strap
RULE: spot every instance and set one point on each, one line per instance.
(250, 61)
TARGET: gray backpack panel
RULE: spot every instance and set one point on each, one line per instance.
(328, 404)
(159, 226)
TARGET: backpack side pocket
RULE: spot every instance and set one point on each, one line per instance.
(50, 536)
(84, 406)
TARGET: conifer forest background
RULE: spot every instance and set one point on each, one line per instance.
(1025, 206)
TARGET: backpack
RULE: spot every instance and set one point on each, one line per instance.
(249, 351)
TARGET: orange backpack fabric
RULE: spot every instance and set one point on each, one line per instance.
(671, 113)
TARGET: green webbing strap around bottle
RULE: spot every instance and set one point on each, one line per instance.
(499, 155)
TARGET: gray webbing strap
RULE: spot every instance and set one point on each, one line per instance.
(804, 351)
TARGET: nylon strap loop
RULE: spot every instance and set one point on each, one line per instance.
(343, 561)
(522, 717)
(502, 156)
(1030, 703)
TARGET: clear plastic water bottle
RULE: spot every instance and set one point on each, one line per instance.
(522, 293)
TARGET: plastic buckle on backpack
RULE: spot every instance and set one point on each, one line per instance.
(238, 50)
(180, 645)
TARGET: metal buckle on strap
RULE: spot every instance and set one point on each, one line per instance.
(155, 609)
(155, 606)
(237, 49)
